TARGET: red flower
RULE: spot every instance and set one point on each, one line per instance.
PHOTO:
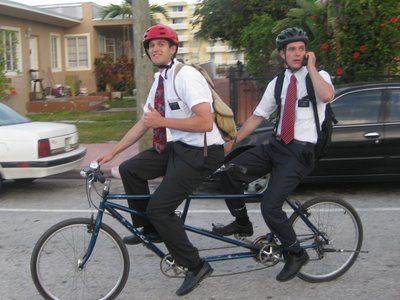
(339, 72)
(356, 55)
(13, 91)
(363, 48)
(325, 46)
(393, 19)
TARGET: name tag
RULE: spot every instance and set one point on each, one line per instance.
(174, 105)
(303, 102)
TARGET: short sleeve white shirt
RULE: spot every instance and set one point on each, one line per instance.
(192, 89)
(304, 127)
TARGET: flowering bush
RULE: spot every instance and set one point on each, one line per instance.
(356, 40)
(118, 75)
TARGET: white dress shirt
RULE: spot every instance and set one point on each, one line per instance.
(192, 89)
(304, 127)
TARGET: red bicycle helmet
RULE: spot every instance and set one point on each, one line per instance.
(160, 31)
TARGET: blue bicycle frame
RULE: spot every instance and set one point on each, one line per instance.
(112, 208)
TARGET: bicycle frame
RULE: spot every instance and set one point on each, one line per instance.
(112, 208)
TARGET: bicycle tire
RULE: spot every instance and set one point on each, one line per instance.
(55, 257)
(339, 221)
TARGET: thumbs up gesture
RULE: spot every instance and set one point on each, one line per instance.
(152, 118)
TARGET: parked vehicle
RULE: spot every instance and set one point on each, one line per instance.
(365, 143)
(30, 150)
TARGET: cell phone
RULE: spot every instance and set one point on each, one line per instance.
(305, 60)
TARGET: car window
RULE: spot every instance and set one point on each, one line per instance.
(394, 110)
(9, 116)
(358, 107)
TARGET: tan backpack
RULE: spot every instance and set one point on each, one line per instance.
(223, 114)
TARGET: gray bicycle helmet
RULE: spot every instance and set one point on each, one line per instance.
(292, 34)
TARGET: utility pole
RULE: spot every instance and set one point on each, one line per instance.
(143, 68)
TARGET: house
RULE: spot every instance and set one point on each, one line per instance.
(61, 42)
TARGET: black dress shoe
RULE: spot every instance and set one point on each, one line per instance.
(234, 228)
(192, 279)
(292, 266)
(135, 240)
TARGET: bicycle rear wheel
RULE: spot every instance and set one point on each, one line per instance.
(340, 224)
(54, 262)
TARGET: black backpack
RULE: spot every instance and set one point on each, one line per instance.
(325, 132)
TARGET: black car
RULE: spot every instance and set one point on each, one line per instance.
(365, 143)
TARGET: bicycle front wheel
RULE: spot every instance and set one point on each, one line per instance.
(334, 251)
(54, 262)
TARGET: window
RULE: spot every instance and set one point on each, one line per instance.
(358, 107)
(177, 8)
(394, 108)
(78, 54)
(108, 46)
(177, 21)
(10, 48)
(55, 52)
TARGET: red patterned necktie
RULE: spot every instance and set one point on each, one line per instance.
(287, 130)
(160, 133)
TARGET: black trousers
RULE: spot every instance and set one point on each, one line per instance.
(184, 168)
(287, 165)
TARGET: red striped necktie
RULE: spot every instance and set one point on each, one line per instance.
(160, 133)
(287, 130)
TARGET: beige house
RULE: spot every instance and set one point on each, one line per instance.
(60, 41)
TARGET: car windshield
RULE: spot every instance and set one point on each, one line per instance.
(9, 116)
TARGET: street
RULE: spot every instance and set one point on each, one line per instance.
(27, 211)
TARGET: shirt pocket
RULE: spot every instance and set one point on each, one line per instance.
(304, 113)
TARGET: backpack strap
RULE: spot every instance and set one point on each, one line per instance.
(178, 67)
(311, 94)
(278, 99)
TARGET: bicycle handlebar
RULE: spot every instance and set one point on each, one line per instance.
(93, 172)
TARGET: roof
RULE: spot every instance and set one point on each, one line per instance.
(22, 11)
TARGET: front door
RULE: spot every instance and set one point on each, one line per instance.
(33, 53)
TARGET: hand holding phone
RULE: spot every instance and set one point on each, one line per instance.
(305, 60)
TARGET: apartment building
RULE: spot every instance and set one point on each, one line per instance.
(194, 50)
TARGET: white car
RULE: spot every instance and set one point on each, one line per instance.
(30, 150)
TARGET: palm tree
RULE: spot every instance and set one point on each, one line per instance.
(125, 10)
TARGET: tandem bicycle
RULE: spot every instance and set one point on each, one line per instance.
(84, 258)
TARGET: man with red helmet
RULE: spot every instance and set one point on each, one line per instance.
(182, 161)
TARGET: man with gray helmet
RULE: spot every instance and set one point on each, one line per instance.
(289, 154)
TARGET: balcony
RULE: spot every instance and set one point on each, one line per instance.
(179, 26)
(183, 38)
(183, 50)
(218, 49)
(178, 14)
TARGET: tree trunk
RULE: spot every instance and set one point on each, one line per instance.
(142, 65)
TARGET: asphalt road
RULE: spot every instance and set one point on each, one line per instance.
(27, 211)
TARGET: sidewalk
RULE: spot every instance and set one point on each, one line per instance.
(93, 151)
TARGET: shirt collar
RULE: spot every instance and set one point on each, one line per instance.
(301, 73)
(170, 70)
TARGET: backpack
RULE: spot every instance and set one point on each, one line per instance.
(324, 132)
(223, 114)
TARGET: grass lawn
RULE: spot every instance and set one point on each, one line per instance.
(95, 127)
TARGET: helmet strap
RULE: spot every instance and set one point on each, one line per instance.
(166, 67)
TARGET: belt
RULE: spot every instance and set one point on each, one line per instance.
(279, 139)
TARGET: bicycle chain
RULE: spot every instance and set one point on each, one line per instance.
(182, 270)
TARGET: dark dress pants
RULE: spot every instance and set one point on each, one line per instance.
(287, 165)
(184, 168)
